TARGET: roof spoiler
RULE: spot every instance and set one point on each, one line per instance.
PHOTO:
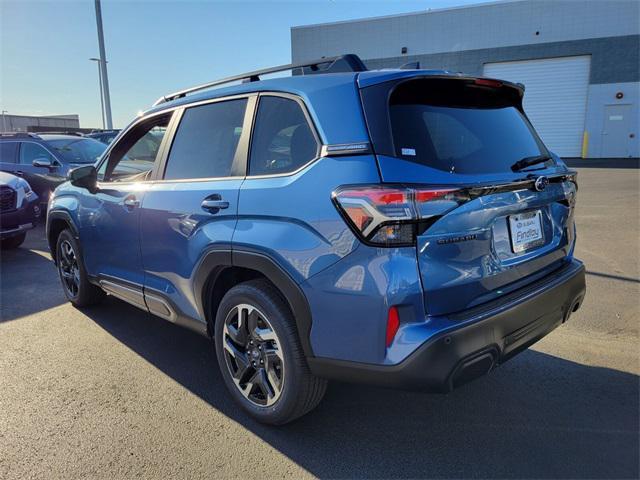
(338, 64)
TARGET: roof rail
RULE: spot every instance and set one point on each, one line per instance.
(18, 134)
(61, 132)
(341, 63)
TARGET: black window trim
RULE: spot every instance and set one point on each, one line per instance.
(320, 146)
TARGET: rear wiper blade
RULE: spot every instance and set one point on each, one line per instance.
(529, 161)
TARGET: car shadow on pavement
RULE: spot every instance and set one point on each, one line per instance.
(535, 416)
(28, 279)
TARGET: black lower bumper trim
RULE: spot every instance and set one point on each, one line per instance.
(460, 355)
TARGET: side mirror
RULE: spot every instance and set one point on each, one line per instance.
(84, 177)
(43, 162)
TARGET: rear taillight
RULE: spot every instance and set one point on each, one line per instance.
(394, 215)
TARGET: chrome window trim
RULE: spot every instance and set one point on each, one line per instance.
(170, 134)
(321, 152)
(312, 127)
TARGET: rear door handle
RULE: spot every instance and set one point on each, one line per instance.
(214, 204)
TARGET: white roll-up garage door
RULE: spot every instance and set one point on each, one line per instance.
(555, 97)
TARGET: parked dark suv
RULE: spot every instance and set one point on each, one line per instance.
(19, 210)
(44, 160)
(405, 228)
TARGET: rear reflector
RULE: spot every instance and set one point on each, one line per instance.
(393, 323)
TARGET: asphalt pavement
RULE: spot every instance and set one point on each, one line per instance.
(112, 392)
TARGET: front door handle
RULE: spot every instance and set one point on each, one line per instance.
(214, 204)
(131, 202)
(19, 173)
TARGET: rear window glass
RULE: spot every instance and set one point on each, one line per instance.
(459, 128)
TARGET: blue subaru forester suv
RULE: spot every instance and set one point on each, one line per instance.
(403, 228)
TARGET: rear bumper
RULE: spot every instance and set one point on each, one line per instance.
(482, 338)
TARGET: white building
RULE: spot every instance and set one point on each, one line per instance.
(579, 60)
(30, 123)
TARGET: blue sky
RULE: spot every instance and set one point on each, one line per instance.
(152, 47)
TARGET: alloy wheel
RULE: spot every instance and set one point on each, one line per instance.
(253, 355)
(69, 269)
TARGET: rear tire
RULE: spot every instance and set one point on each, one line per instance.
(75, 282)
(260, 357)
(13, 242)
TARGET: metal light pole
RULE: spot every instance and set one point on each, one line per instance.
(4, 121)
(103, 67)
(101, 97)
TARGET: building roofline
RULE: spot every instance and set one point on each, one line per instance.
(406, 14)
(70, 116)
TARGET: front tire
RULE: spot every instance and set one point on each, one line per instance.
(260, 357)
(75, 283)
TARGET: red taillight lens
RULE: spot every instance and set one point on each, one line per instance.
(389, 215)
(428, 195)
(486, 82)
(393, 323)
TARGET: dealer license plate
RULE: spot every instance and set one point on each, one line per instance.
(526, 231)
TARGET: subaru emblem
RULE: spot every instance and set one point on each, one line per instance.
(541, 183)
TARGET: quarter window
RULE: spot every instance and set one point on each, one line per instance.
(283, 140)
(206, 142)
(31, 151)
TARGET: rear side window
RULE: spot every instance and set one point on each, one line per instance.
(460, 127)
(283, 140)
(8, 152)
(30, 151)
(206, 141)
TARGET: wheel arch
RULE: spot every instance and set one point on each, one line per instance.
(221, 270)
(57, 221)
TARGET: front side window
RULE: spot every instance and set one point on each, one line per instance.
(30, 151)
(206, 142)
(134, 157)
(283, 140)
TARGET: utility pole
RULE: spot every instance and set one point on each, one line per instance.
(103, 67)
(101, 97)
